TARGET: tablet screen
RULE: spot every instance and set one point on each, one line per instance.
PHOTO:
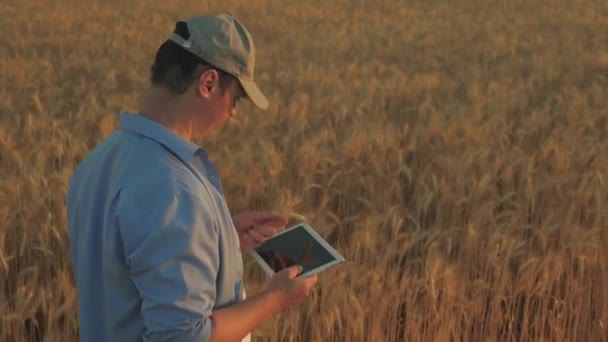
(295, 247)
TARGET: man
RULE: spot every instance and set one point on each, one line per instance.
(156, 254)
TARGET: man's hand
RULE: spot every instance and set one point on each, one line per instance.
(288, 289)
(254, 227)
(284, 290)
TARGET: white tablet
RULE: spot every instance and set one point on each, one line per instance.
(297, 245)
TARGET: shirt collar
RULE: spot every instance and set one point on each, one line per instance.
(149, 128)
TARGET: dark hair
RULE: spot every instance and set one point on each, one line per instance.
(176, 68)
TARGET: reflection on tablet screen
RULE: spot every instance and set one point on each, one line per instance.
(296, 247)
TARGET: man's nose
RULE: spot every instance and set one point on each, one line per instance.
(233, 112)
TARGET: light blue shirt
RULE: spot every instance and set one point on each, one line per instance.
(153, 246)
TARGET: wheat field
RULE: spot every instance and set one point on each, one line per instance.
(455, 152)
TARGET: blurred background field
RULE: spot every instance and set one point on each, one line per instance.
(455, 152)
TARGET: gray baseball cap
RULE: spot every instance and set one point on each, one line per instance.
(223, 42)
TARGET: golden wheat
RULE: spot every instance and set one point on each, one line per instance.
(455, 152)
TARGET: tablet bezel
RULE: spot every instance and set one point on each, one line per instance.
(338, 258)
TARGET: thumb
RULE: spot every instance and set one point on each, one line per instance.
(293, 271)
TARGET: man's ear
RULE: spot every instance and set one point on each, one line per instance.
(208, 82)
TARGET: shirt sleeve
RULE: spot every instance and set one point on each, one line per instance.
(171, 250)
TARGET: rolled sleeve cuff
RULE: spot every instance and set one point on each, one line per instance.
(197, 331)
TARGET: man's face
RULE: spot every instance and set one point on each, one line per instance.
(220, 104)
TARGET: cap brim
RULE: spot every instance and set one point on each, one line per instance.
(254, 93)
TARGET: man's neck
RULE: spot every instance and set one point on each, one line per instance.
(166, 108)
